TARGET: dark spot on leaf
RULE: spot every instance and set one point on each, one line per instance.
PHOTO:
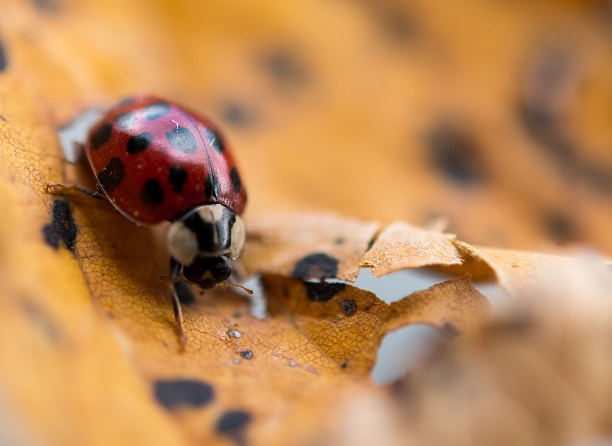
(51, 236)
(177, 177)
(152, 193)
(137, 143)
(41, 319)
(246, 354)
(285, 68)
(237, 115)
(323, 291)
(126, 101)
(2, 118)
(456, 155)
(344, 365)
(233, 424)
(112, 175)
(560, 227)
(396, 25)
(184, 293)
(183, 393)
(156, 110)
(316, 266)
(47, 6)
(237, 315)
(62, 226)
(3, 58)
(101, 135)
(371, 242)
(348, 306)
(448, 331)
(182, 139)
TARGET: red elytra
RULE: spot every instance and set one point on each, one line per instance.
(156, 160)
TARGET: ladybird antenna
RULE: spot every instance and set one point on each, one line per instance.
(235, 285)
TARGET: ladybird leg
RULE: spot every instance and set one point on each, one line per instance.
(175, 269)
(60, 189)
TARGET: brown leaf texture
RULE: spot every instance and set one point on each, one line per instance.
(355, 125)
(402, 246)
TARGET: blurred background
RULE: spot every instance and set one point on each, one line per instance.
(494, 115)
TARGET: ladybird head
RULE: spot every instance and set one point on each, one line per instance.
(205, 241)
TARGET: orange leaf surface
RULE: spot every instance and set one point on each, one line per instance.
(349, 120)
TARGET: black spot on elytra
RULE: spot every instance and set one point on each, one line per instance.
(3, 58)
(182, 139)
(348, 306)
(183, 393)
(184, 293)
(215, 140)
(339, 240)
(560, 227)
(2, 118)
(246, 354)
(101, 135)
(112, 175)
(344, 365)
(62, 226)
(236, 180)
(138, 143)
(285, 68)
(152, 193)
(126, 120)
(233, 424)
(46, 6)
(156, 110)
(316, 266)
(177, 177)
(323, 291)
(212, 188)
(449, 331)
(456, 155)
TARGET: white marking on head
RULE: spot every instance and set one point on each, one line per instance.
(238, 238)
(182, 243)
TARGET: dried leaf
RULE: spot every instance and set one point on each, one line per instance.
(404, 117)
(521, 273)
(347, 324)
(525, 378)
(402, 246)
(308, 246)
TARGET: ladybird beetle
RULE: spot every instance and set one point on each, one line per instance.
(154, 161)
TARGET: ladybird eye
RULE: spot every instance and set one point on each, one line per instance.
(215, 140)
(221, 268)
